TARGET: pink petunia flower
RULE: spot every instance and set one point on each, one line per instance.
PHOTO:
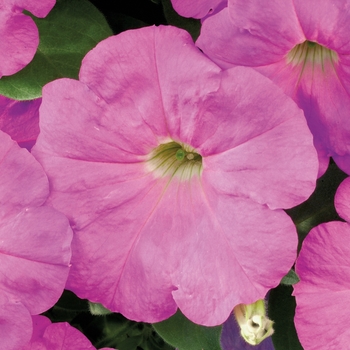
(34, 244)
(324, 288)
(56, 336)
(168, 169)
(304, 48)
(19, 33)
(199, 8)
(20, 119)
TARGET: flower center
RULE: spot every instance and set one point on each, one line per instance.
(311, 52)
(175, 159)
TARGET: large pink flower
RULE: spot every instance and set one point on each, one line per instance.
(199, 8)
(20, 119)
(304, 48)
(168, 169)
(34, 244)
(56, 336)
(19, 33)
(323, 292)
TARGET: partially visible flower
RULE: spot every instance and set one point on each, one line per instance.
(20, 119)
(56, 336)
(173, 175)
(323, 293)
(198, 8)
(34, 244)
(231, 338)
(304, 48)
(19, 33)
(254, 324)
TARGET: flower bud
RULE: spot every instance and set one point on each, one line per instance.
(97, 309)
(254, 324)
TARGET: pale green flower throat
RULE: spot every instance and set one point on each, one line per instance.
(175, 159)
(313, 53)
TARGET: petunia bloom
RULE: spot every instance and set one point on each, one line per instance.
(19, 33)
(172, 174)
(20, 119)
(56, 336)
(199, 8)
(304, 48)
(34, 244)
(323, 293)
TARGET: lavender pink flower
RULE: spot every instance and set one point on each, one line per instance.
(323, 293)
(19, 33)
(173, 175)
(34, 244)
(304, 48)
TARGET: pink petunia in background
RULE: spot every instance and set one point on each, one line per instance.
(56, 336)
(34, 244)
(20, 119)
(173, 174)
(199, 8)
(323, 293)
(19, 33)
(304, 48)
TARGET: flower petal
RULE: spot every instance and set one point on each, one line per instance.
(341, 200)
(267, 20)
(19, 34)
(19, 41)
(35, 255)
(323, 94)
(34, 240)
(155, 95)
(249, 135)
(324, 288)
(20, 119)
(23, 182)
(197, 9)
(227, 45)
(98, 133)
(57, 336)
(15, 324)
(325, 22)
(171, 249)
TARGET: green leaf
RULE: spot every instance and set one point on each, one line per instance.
(72, 28)
(67, 308)
(185, 335)
(290, 278)
(281, 311)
